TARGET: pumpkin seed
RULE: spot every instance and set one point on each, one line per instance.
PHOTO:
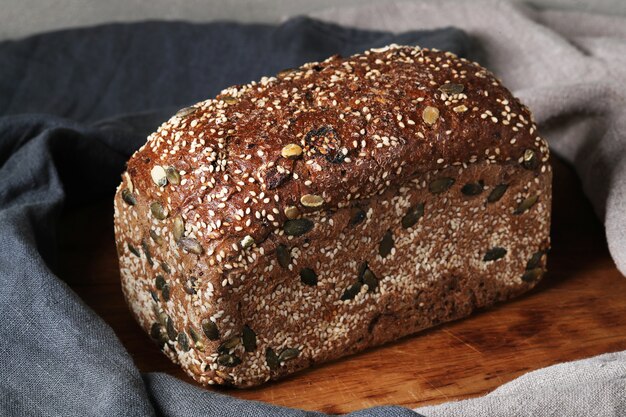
(530, 160)
(248, 338)
(297, 227)
(156, 332)
(472, 188)
(497, 193)
(439, 185)
(190, 285)
(157, 211)
(172, 175)
(133, 250)
(210, 330)
(283, 254)
(128, 197)
(413, 215)
(229, 99)
(311, 200)
(386, 244)
(430, 115)
(172, 333)
(155, 237)
(159, 282)
(288, 354)
(247, 241)
(178, 227)
(451, 89)
(357, 215)
(186, 111)
(351, 291)
(165, 292)
(308, 276)
(158, 175)
(154, 295)
(494, 254)
(526, 204)
(183, 341)
(226, 377)
(146, 251)
(166, 268)
(532, 275)
(535, 260)
(291, 151)
(370, 280)
(161, 316)
(196, 338)
(191, 245)
(292, 212)
(271, 358)
(228, 360)
(229, 344)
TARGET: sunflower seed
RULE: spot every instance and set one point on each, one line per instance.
(248, 338)
(228, 360)
(532, 275)
(186, 111)
(155, 237)
(159, 282)
(190, 285)
(172, 175)
(210, 330)
(191, 245)
(440, 185)
(196, 338)
(162, 316)
(133, 250)
(535, 260)
(229, 344)
(128, 197)
(370, 280)
(530, 160)
(413, 215)
(311, 200)
(430, 115)
(246, 242)
(165, 292)
(166, 268)
(291, 151)
(154, 295)
(158, 175)
(297, 227)
(386, 244)
(172, 333)
(178, 227)
(292, 212)
(146, 251)
(451, 89)
(357, 215)
(157, 211)
(526, 204)
(308, 276)
(283, 254)
(497, 193)
(494, 254)
(472, 188)
(156, 332)
(460, 109)
(183, 341)
(351, 291)
(229, 99)
(271, 358)
(288, 354)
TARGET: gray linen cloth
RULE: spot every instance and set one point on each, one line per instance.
(570, 69)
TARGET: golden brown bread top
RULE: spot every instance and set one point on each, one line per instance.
(326, 135)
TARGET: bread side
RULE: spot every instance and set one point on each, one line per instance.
(417, 192)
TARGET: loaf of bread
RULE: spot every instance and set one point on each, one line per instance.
(334, 207)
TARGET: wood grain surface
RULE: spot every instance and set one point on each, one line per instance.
(577, 311)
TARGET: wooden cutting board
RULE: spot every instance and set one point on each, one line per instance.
(577, 311)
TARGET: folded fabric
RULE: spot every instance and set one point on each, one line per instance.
(58, 358)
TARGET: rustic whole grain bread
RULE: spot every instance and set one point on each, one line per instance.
(331, 208)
